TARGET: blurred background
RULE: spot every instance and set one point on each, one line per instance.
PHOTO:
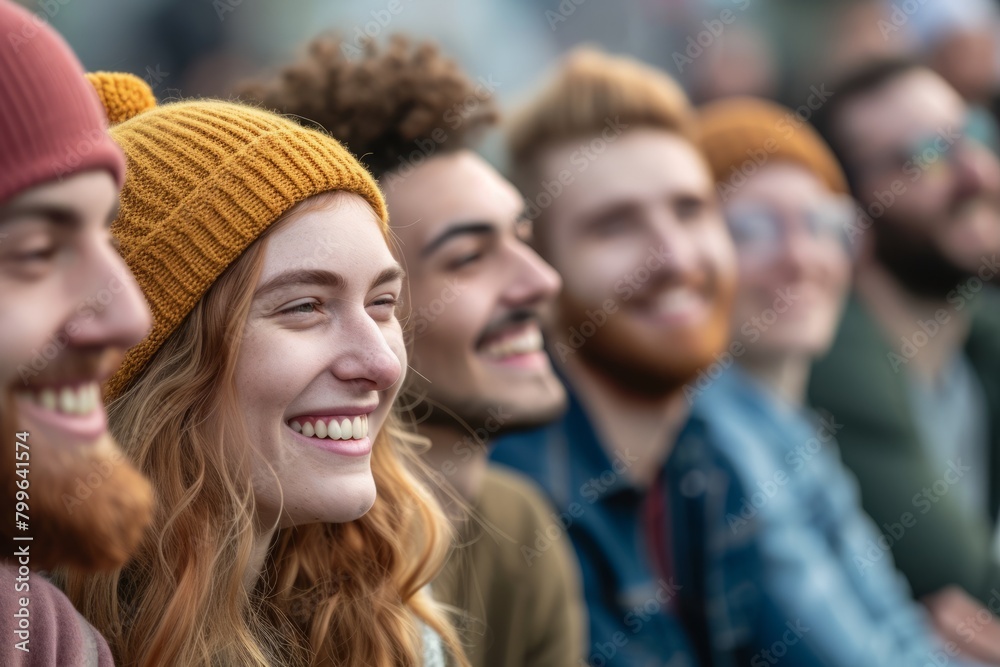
(782, 49)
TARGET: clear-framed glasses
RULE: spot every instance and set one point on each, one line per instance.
(765, 228)
(935, 152)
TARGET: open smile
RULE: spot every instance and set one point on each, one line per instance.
(74, 409)
(341, 431)
(520, 346)
(334, 428)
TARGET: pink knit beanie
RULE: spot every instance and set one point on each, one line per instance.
(51, 122)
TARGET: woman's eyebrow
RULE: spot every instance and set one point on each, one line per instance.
(388, 275)
(301, 277)
(323, 278)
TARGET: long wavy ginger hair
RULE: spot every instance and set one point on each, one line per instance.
(330, 594)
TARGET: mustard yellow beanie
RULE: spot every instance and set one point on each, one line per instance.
(739, 134)
(203, 181)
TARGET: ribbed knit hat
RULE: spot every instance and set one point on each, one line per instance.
(740, 134)
(51, 124)
(204, 180)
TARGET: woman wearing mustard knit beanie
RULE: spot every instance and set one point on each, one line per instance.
(259, 404)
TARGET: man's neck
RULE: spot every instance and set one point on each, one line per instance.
(785, 376)
(637, 430)
(933, 330)
(458, 457)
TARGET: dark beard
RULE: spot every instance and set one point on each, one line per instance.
(417, 405)
(916, 262)
(89, 508)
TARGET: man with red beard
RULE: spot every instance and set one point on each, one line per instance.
(626, 211)
(68, 310)
(914, 373)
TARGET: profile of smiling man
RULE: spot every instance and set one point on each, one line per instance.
(477, 293)
(68, 311)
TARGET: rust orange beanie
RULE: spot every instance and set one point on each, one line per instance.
(740, 134)
(204, 179)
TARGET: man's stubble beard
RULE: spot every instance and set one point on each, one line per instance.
(426, 403)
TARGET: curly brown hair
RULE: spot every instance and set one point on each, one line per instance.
(385, 106)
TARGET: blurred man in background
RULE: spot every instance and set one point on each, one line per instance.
(477, 292)
(626, 211)
(785, 201)
(914, 373)
(68, 311)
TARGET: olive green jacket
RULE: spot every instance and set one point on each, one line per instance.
(515, 611)
(934, 541)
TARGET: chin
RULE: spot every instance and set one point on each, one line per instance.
(529, 414)
(354, 499)
(795, 345)
(546, 397)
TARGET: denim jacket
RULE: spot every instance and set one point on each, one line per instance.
(806, 577)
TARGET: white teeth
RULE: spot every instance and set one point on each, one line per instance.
(346, 429)
(48, 399)
(67, 400)
(526, 343)
(93, 398)
(84, 403)
(81, 400)
(676, 300)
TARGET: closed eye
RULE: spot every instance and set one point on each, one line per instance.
(303, 308)
(465, 260)
(387, 300)
(40, 255)
(384, 308)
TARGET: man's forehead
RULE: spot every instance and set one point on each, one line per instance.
(905, 108)
(639, 175)
(424, 205)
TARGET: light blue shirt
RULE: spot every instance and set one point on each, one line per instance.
(824, 566)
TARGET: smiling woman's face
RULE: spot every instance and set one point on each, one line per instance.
(321, 362)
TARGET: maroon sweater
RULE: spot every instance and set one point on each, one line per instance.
(56, 634)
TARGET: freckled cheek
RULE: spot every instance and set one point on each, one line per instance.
(265, 380)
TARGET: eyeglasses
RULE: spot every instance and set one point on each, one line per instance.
(935, 152)
(763, 228)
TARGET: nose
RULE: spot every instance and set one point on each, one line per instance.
(366, 355)
(671, 251)
(534, 282)
(796, 252)
(111, 310)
